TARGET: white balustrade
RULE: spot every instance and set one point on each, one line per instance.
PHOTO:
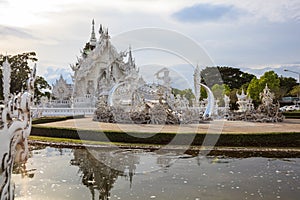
(39, 112)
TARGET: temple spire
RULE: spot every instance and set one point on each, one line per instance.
(100, 29)
(93, 39)
(130, 59)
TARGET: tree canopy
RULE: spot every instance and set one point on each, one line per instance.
(286, 85)
(220, 90)
(295, 91)
(256, 86)
(20, 72)
(187, 93)
(232, 77)
(41, 88)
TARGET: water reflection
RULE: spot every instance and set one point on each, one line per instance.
(61, 173)
(100, 177)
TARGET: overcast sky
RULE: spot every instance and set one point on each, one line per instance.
(246, 34)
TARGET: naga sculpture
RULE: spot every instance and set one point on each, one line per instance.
(15, 124)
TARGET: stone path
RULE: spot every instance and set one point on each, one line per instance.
(216, 126)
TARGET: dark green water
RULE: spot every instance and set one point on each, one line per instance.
(63, 173)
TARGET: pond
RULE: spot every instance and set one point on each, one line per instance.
(103, 173)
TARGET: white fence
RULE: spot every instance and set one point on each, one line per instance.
(39, 112)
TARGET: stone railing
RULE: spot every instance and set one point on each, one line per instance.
(60, 102)
(39, 112)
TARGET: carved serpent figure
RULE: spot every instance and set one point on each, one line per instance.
(15, 126)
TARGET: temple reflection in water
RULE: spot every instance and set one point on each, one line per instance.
(100, 169)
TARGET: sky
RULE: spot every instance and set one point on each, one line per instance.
(252, 35)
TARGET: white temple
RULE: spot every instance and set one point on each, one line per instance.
(99, 68)
(107, 84)
(62, 91)
(104, 76)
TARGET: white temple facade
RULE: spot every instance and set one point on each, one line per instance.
(99, 68)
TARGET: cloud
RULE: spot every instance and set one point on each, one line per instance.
(206, 12)
(53, 74)
(279, 12)
(17, 32)
(239, 33)
(277, 68)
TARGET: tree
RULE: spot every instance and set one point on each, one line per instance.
(187, 93)
(271, 79)
(203, 93)
(286, 85)
(219, 91)
(20, 72)
(295, 91)
(233, 99)
(254, 89)
(233, 77)
(256, 86)
(19, 69)
(41, 88)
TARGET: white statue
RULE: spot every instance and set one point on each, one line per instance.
(244, 102)
(267, 96)
(166, 80)
(197, 85)
(226, 101)
(15, 123)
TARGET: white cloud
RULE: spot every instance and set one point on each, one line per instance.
(266, 33)
(273, 11)
(52, 74)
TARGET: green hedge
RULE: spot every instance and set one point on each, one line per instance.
(232, 140)
(43, 120)
(292, 115)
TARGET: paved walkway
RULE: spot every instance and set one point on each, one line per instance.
(216, 126)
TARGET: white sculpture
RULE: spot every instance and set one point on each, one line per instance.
(226, 101)
(226, 107)
(165, 78)
(197, 85)
(267, 96)
(244, 102)
(15, 129)
(6, 80)
(267, 111)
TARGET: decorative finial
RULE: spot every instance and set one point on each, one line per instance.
(100, 29)
(93, 39)
(243, 93)
(130, 60)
